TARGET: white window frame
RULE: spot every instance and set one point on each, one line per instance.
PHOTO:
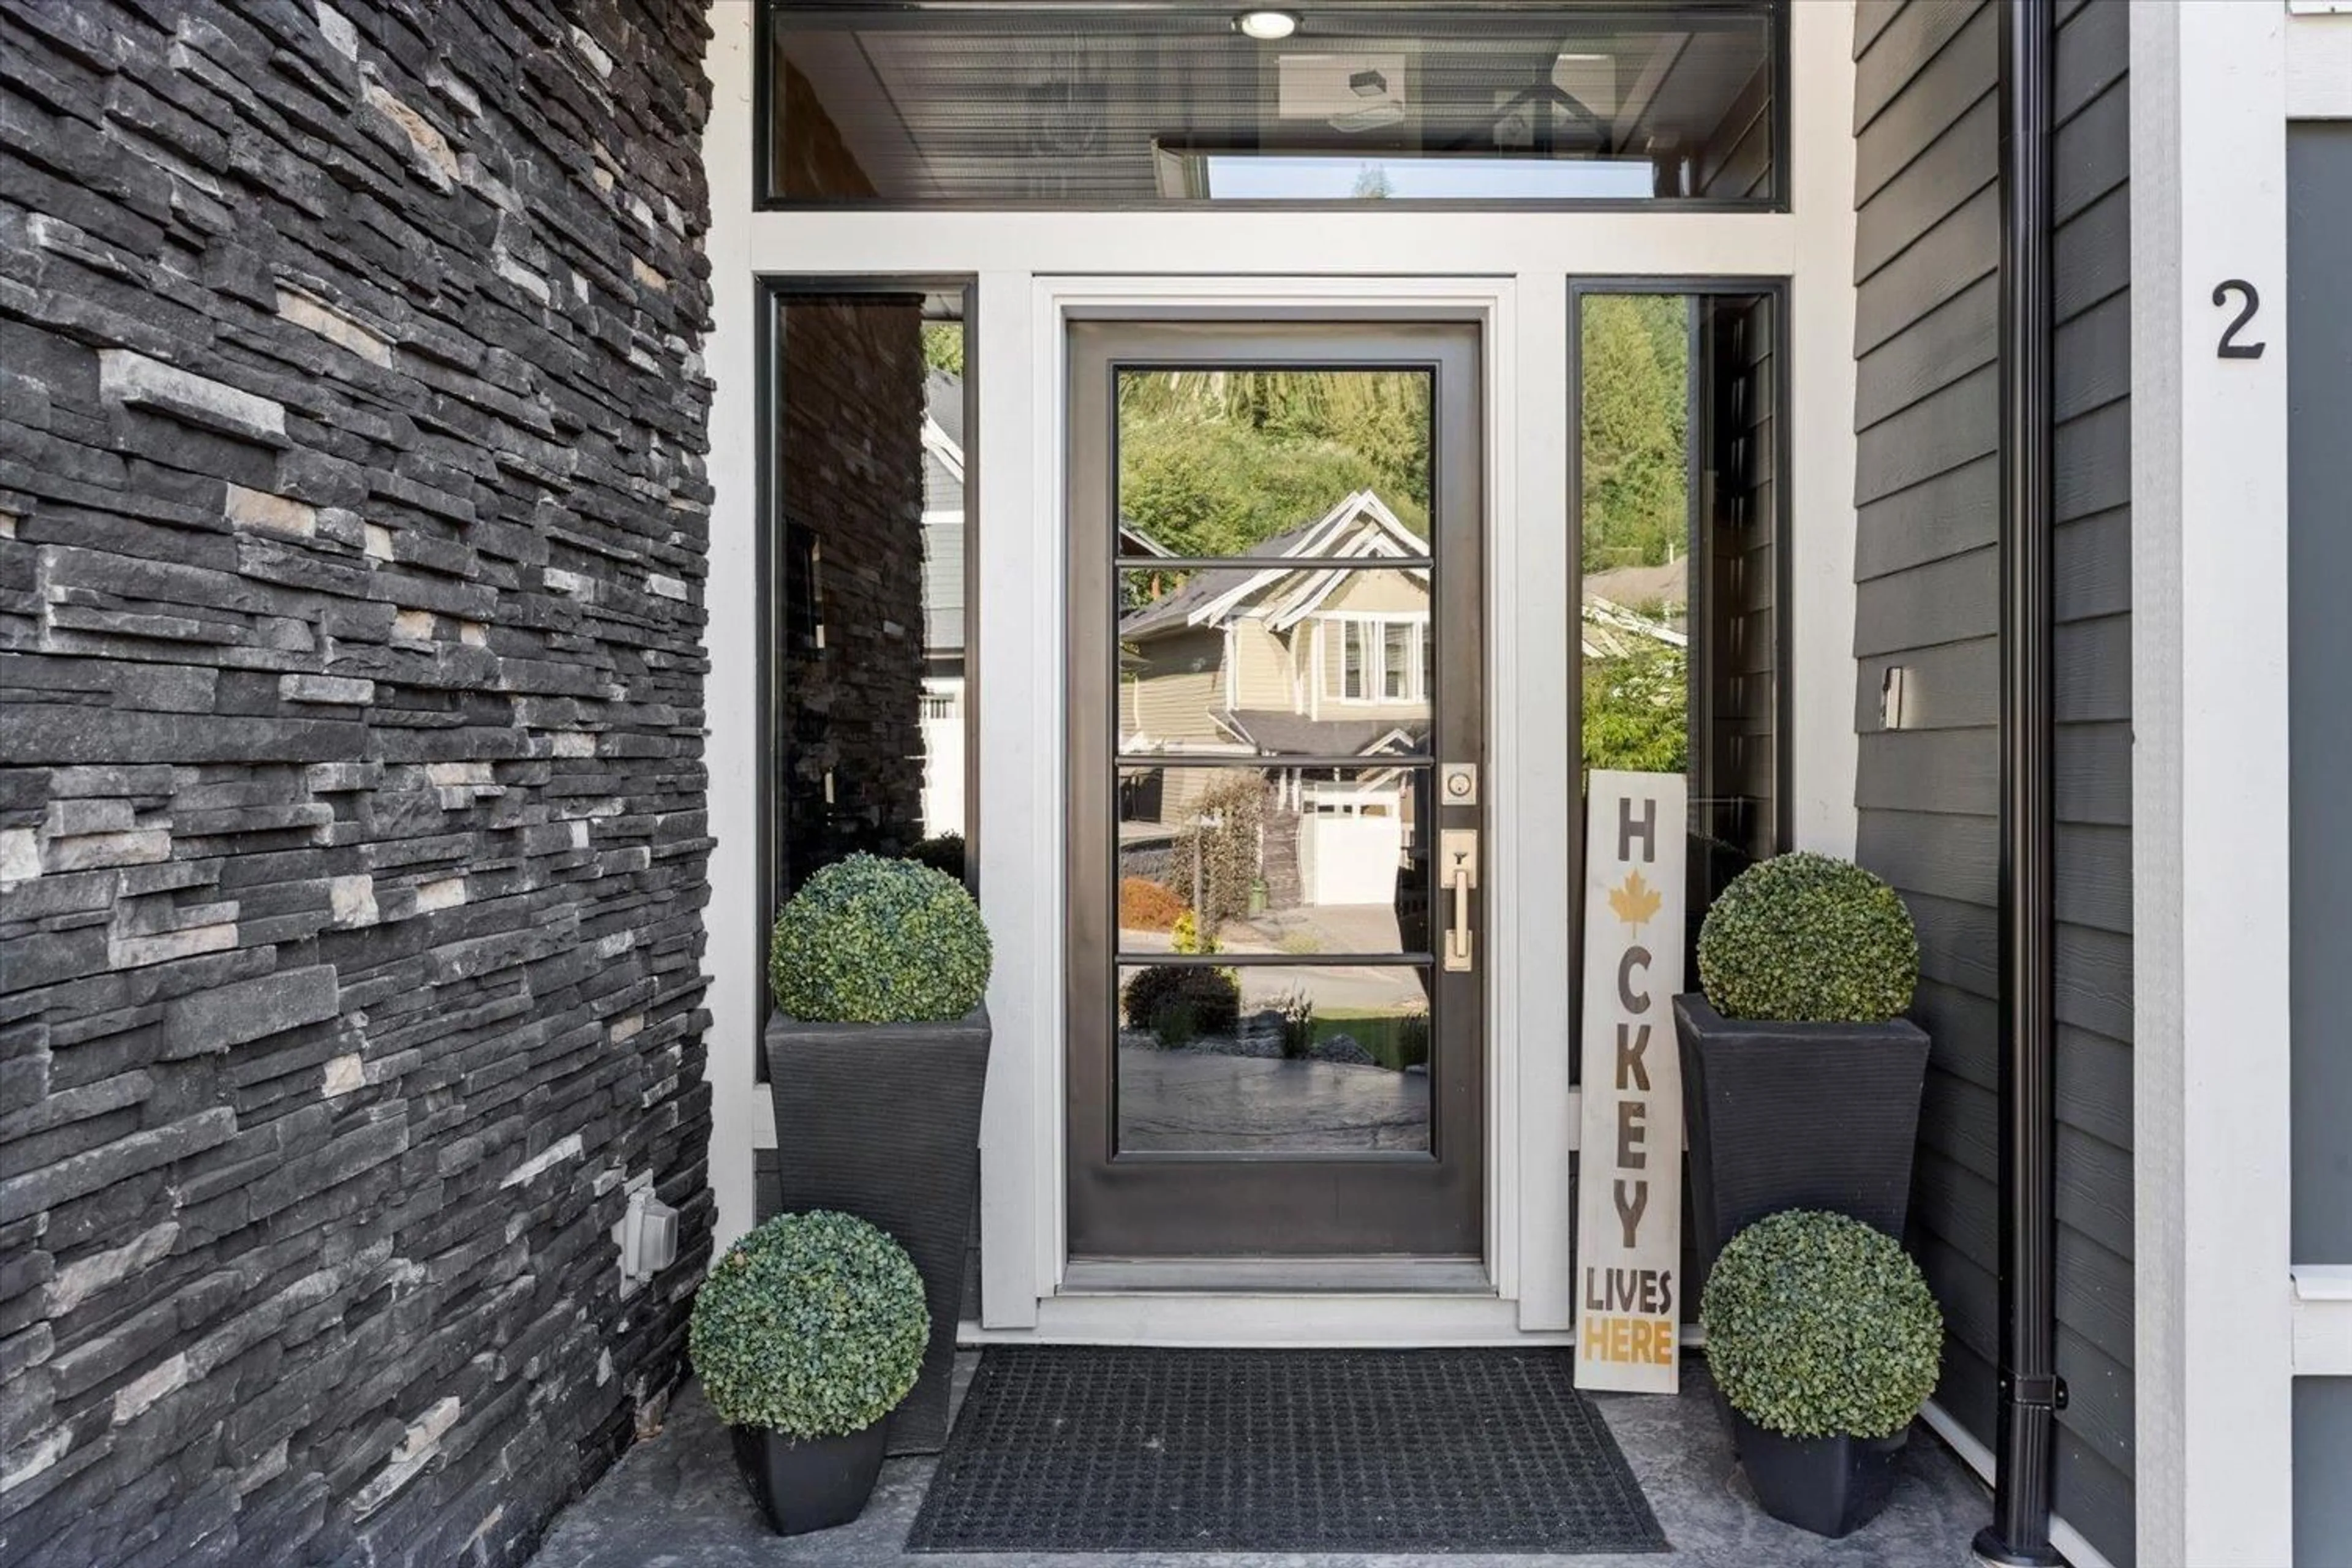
(1509, 270)
(1350, 622)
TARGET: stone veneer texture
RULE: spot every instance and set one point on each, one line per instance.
(353, 834)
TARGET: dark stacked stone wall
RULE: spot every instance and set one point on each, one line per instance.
(352, 524)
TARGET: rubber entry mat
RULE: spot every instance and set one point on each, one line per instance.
(1081, 1449)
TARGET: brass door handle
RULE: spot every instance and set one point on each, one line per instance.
(1457, 849)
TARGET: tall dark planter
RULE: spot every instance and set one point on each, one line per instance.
(882, 1120)
(1796, 1116)
(809, 1483)
(1831, 1486)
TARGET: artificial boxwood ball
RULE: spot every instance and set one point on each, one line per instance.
(1819, 1325)
(1808, 939)
(813, 1326)
(868, 941)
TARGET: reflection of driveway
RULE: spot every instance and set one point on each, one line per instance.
(1198, 1101)
(1310, 931)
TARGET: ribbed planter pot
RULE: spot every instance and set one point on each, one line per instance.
(1796, 1116)
(882, 1120)
(809, 1483)
(1831, 1486)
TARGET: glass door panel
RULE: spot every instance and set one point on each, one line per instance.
(1274, 645)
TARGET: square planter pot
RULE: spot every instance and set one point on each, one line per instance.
(1796, 1116)
(809, 1483)
(1831, 1486)
(882, 1121)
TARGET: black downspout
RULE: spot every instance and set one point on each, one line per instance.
(2029, 1391)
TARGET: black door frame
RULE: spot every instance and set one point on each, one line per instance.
(1268, 1204)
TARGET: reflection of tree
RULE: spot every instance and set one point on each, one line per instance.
(1635, 710)
(1218, 848)
(1216, 462)
(1637, 373)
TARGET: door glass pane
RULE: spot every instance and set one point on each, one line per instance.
(1093, 105)
(1263, 1057)
(1293, 862)
(1239, 661)
(1300, 464)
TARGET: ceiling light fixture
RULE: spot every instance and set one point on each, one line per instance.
(1266, 26)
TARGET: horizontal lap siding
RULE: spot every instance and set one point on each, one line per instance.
(1927, 600)
(2091, 366)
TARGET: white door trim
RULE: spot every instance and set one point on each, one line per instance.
(1022, 750)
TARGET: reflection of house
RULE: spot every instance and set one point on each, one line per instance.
(943, 603)
(1303, 657)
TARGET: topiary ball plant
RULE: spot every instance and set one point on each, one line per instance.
(813, 1326)
(868, 941)
(1819, 1325)
(1810, 938)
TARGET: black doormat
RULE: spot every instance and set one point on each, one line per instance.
(1128, 1449)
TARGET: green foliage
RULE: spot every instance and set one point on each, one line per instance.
(868, 941)
(1818, 1325)
(1297, 1011)
(1208, 1000)
(1637, 710)
(1635, 368)
(943, 346)
(813, 1325)
(1216, 462)
(942, 852)
(1218, 849)
(1808, 938)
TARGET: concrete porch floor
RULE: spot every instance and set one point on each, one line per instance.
(674, 1501)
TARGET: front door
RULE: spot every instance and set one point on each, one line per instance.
(1276, 745)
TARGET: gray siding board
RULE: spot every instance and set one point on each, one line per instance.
(1957, 941)
(1871, 18)
(2093, 862)
(2090, 359)
(2091, 256)
(2090, 154)
(2096, 1292)
(2092, 459)
(2098, 1396)
(2093, 768)
(2093, 986)
(2098, 1494)
(2095, 1085)
(2092, 680)
(1963, 1024)
(1956, 511)
(1958, 165)
(1961, 248)
(2090, 574)
(1932, 770)
(1903, 52)
(1925, 849)
(1957, 337)
(2092, 54)
(1945, 688)
(1959, 75)
(1930, 438)
(1939, 601)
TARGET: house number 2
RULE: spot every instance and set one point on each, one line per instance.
(2249, 302)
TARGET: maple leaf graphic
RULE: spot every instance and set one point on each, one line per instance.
(1636, 902)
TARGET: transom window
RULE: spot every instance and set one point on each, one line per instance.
(1456, 103)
